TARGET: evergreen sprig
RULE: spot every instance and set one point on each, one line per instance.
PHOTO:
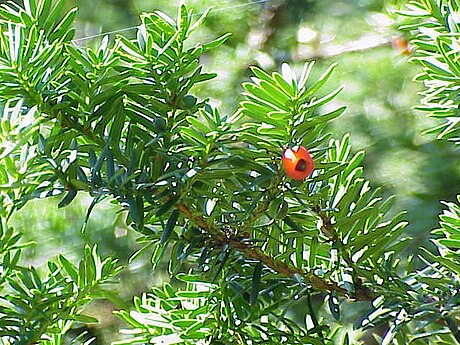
(433, 30)
(37, 308)
(206, 191)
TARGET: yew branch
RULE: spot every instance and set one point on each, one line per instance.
(249, 251)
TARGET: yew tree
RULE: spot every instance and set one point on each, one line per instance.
(251, 254)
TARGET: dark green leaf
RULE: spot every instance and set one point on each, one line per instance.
(68, 198)
(169, 227)
(255, 288)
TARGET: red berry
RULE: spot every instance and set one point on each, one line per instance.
(400, 45)
(297, 163)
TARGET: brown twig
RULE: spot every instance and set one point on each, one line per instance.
(362, 293)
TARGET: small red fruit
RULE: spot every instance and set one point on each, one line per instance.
(297, 162)
(400, 45)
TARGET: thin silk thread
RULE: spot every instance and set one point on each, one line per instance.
(251, 3)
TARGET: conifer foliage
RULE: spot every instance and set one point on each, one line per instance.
(245, 245)
(433, 28)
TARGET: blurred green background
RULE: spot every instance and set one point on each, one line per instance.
(378, 92)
